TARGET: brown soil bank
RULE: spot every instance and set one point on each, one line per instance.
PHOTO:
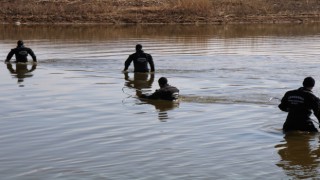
(159, 11)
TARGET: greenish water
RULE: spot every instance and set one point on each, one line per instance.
(75, 115)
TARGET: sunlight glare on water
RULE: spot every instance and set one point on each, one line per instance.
(75, 114)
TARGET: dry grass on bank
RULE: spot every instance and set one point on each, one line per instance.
(156, 11)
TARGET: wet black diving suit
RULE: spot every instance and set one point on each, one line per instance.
(299, 104)
(140, 62)
(21, 54)
(167, 92)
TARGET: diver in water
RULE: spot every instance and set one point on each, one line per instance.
(166, 91)
(299, 104)
(140, 61)
(21, 52)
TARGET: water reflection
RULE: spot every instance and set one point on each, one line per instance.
(162, 107)
(21, 71)
(142, 82)
(115, 32)
(139, 82)
(299, 154)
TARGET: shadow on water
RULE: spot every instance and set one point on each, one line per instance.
(142, 82)
(21, 71)
(299, 153)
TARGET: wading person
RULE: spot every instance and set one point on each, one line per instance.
(166, 91)
(140, 61)
(21, 52)
(299, 104)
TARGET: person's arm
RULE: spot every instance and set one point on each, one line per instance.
(126, 76)
(127, 63)
(316, 108)
(9, 56)
(150, 60)
(154, 95)
(283, 106)
(34, 58)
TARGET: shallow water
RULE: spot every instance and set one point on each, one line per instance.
(75, 115)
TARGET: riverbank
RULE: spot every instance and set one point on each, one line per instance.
(159, 11)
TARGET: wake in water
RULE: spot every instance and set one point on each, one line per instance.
(215, 99)
(228, 100)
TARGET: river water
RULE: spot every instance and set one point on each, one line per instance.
(75, 114)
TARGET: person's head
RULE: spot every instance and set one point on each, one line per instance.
(308, 82)
(138, 47)
(162, 81)
(20, 43)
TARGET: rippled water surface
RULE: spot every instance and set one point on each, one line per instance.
(75, 114)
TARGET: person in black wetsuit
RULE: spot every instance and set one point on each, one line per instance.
(140, 61)
(299, 104)
(21, 52)
(166, 91)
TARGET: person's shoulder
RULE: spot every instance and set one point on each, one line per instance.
(22, 48)
(145, 54)
(313, 98)
(172, 88)
(307, 93)
(27, 48)
(133, 54)
(294, 91)
(176, 89)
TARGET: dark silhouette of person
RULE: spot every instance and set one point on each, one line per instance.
(166, 91)
(140, 61)
(299, 159)
(299, 104)
(21, 52)
(21, 71)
